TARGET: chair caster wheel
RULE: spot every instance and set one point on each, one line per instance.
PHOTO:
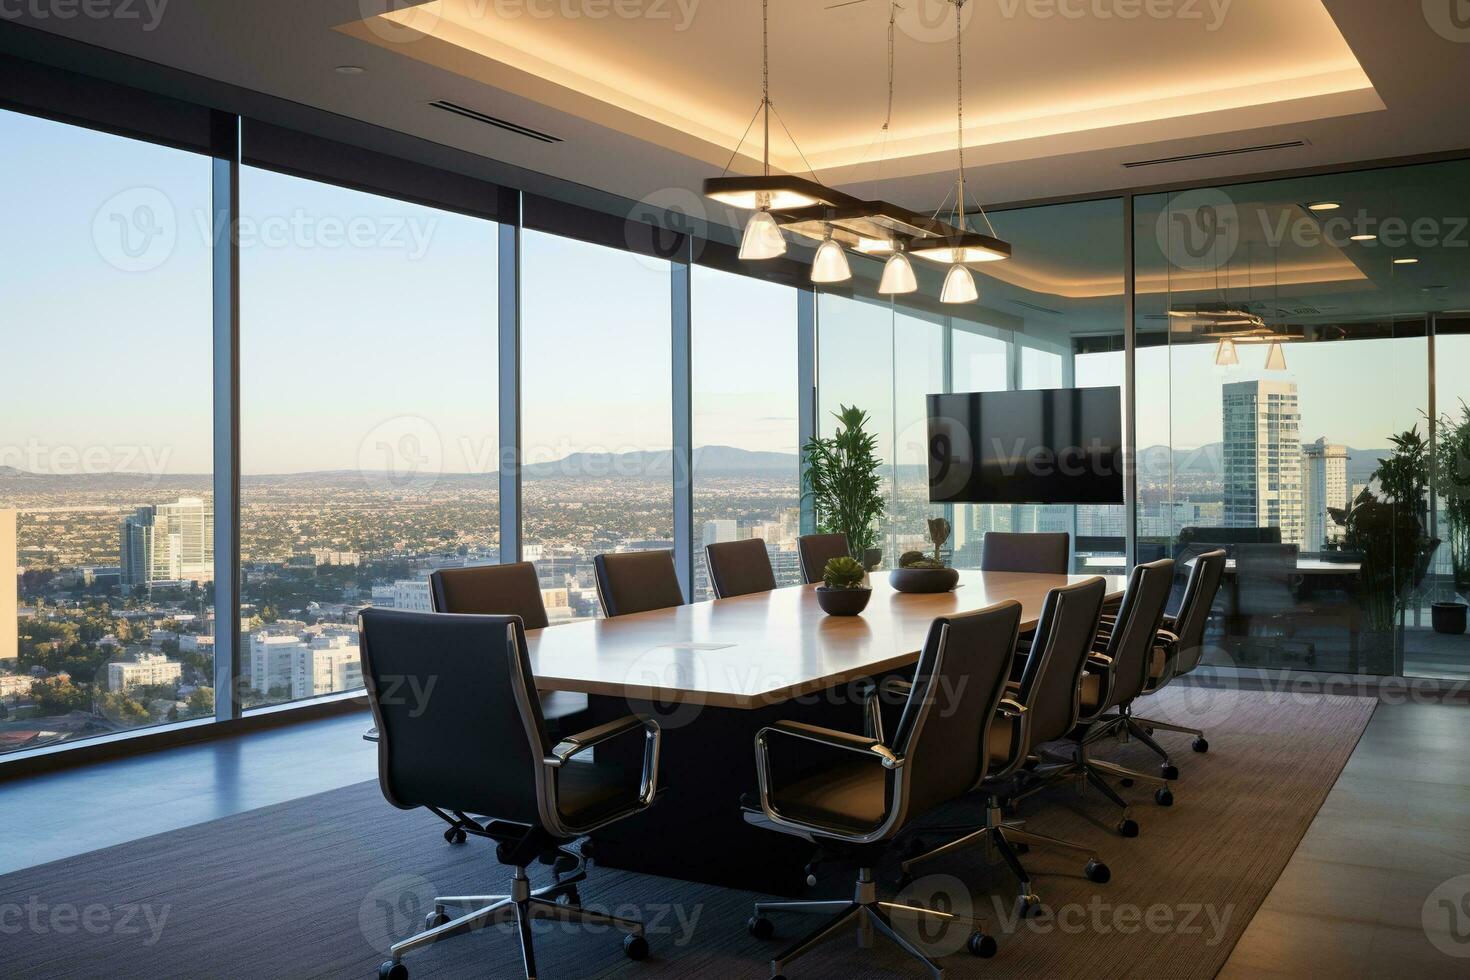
(1028, 906)
(760, 927)
(1200, 745)
(1169, 772)
(1128, 828)
(588, 851)
(1125, 783)
(981, 945)
(1164, 796)
(569, 897)
(1097, 872)
(392, 971)
(564, 864)
(455, 835)
(436, 918)
(635, 947)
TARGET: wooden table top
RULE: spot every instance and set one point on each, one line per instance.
(756, 650)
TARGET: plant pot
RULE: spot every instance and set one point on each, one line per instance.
(923, 579)
(1449, 617)
(843, 602)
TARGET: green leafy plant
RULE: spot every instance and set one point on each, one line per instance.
(1452, 482)
(841, 479)
(843, 573)
(1388, 532)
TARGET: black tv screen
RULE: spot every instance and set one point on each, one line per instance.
(1055, 446)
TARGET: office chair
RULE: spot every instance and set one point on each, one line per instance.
(637, 581)
(739, 568)
(1180, 651)
(476, 743)
(815, 550)
(1116, 673)
(1267, 593)
(858, 804)
(1047, 553)
(1042, 707)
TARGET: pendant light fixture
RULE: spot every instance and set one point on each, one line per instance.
(898, 275)
(768, 192)
(830, 265)
(1275, 357)
(1225, 355)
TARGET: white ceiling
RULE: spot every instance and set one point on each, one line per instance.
(649, 106)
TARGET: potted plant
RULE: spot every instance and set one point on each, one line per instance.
(841, 479)
(1452, 482)
(842, 592)
(917, 572)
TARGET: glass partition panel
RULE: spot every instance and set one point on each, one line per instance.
(368, 438)
(106, 443)
(597, 412)
(746, 463)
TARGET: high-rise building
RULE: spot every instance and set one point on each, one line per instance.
(9, 595)
(145, 669)
(327, 664)
(721, 530)
(1324, 486)
(273, 660)
(1263, 457)
(168, 543)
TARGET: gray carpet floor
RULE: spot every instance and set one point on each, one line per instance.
(318, 887)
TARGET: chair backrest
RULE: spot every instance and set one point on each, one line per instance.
(491, 590)
(1264, 574)
(459, 723)
(1194, 609)
(1052, 678)
(1003, 551)
(1136, 631)
(818, 549)
(636, 581)
(739, 567)
(958, 683)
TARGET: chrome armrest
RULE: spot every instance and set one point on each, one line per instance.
(371, 735)
(1011, 708)
(1099, 659)
(864, 744)
(574, 745)
(871, 696)
(1170, 639)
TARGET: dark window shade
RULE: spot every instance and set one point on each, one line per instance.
(300, 154)
(624, 232)
(68, 97)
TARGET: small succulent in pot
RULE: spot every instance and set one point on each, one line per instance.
(844, 573)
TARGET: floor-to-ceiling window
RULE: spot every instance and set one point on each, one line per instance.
(744, 383)
(106, 413)
(596, 409)
(368, 419)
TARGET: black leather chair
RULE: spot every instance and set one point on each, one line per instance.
(872, 788)
(506, 590)
(636, 581)
(1048, 553)
(1116, 673)
(475, 742)
(739, 568)
(1041, 707)
(816, 550)
(1181, 648)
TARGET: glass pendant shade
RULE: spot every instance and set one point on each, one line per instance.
(959, 286)
(1225, 355)
(1275, 357)
(898, 276)
(762, 239)
(830, 265)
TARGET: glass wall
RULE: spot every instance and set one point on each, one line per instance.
(597, 412)
(106, 444)
(368, 419)
(746, 465)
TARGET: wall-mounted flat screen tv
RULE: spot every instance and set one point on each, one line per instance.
(1054, 446)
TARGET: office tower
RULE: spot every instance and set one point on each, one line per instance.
(721, 530)
(145, 669)
(326, 664)
(412, 595)
(1263, 457)
(272, 660)
(9, 595)
(168, 543)
(1324, 486)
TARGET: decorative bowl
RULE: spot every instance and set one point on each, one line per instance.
(923, 579)
(843, 602)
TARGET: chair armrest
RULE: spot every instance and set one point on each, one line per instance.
(371, 735)
(863, 744)
(574, 745)
(872, 700)
(1096, 659)
(1011, 708)
(1169, 638)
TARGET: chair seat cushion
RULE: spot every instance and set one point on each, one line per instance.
(849, 795)
(588, 792)
(1156, 665)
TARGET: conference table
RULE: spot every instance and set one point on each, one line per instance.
(713, 673)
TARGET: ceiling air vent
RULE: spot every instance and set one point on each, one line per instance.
(1035, 308)
(1185, 158)
(504, 124)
